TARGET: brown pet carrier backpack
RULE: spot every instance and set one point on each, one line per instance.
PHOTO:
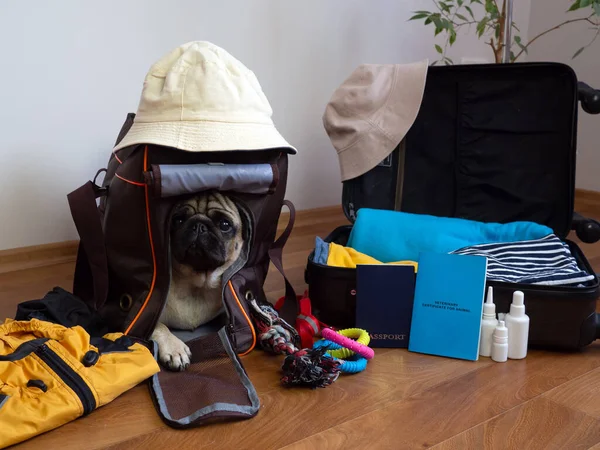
(203, 124)
(123, 264)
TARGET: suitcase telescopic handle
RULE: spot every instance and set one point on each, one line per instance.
(589, 98)
(588, 230)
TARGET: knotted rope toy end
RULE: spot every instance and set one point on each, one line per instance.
(310, 367)
(301, 367)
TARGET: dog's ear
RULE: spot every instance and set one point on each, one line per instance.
(246, 218)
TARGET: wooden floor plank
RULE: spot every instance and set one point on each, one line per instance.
(131, 414)
(536, 425)
(435, 415)
(582, 394)
(389, 377)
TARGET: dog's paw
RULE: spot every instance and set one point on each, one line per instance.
(173, 353)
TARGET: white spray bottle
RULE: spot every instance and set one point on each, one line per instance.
(488, 324)
(517, 323)
(500, 343)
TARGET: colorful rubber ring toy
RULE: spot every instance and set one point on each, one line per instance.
(352, 364)
(333, 349)
(346, 337)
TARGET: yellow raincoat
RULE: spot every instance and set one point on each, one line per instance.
(51, 375)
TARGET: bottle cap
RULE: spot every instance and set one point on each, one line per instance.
(517, 307)
(489, 307)
(500, 331)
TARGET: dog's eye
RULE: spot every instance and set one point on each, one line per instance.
(224, 225)
(178, 221)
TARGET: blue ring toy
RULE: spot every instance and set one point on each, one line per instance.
(353, 364)
(328, 344)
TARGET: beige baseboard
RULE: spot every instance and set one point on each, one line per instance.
(61, 252)
(37, 256)
(584, 195)
(31, 257)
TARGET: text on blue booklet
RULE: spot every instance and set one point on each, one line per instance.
(448, 305)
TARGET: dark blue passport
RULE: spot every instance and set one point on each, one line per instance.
(384, 303)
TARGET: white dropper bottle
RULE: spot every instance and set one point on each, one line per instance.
(500, 343)
(517, 323)
(488, 324)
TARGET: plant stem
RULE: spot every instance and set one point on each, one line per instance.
(498, 48)
(582, 19)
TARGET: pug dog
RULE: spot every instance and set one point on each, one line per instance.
(207, 237)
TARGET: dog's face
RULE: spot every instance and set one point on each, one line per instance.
(207, 233)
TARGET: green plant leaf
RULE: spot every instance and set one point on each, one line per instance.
(428, 20)
(578, 52)
(597, 8)
(512, 57)
(519, 42)
(490, 7)
(448, 59)
(460, 2)
(461, 17)
(439, 27)
(476, 1)
(439, 49)
(584, 3)
(470, 12)
(481, 26)
(575, 6)
(447, 25)
(445, 6)
(452, 37)
(419, 16)
(497, 30)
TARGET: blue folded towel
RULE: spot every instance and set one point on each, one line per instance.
(392, 235)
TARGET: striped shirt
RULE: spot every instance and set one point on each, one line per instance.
(545, 261)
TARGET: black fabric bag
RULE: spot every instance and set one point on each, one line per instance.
(492, 143)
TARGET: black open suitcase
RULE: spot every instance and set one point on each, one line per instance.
(492, 143)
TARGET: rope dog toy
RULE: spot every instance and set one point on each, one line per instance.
(301, 366)
(343, 338)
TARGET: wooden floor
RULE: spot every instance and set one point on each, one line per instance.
(403, 400)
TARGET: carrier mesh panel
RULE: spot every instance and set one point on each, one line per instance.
(215, 386)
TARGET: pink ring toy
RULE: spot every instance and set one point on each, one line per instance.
(358, 348)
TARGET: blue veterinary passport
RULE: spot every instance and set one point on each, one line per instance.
(384, 302)
(449, 295)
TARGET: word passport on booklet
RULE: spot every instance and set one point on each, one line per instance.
(384, 303)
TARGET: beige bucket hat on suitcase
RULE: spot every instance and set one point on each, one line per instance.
(371, 112)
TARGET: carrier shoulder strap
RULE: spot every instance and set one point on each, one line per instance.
(91, 270)
(289, 309)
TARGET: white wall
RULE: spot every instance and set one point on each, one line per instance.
(71, 70)
(560, 45)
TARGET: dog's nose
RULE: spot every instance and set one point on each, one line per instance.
(200, 228)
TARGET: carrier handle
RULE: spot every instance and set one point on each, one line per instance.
(91, 270)
(289, 308)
